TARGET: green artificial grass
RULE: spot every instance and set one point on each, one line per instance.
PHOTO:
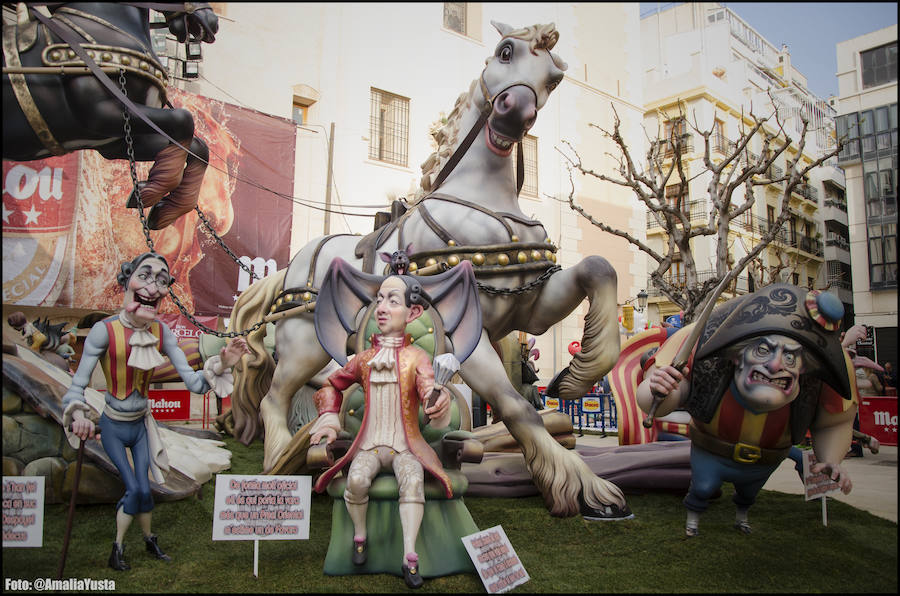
(789, 550)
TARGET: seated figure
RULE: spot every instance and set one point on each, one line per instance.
(397, 381)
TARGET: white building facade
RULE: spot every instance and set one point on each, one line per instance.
(867, 108)
(382, 74)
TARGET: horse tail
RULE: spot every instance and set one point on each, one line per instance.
(253, 375)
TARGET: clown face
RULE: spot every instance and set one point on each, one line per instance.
(145, 288)
(767, 372)
(391, 313)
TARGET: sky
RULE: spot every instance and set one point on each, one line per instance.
(812, 43)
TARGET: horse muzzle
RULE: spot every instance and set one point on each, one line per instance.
(514, 113)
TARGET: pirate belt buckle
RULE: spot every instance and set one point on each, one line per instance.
(746, 454)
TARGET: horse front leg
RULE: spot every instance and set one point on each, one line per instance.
(595, 279)
(300, 357)
(568, 485)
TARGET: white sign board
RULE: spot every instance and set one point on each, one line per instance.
(816, 485)
(495, 560)
(23, 511)
(261, 507)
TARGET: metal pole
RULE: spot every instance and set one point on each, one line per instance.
(329, 176)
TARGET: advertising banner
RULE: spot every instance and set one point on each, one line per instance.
(170, 404)
(66, 228)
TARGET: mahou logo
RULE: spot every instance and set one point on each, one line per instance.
(38, 218)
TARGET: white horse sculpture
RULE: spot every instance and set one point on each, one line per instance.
(468, 210)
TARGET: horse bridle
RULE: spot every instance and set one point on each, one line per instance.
(483, 116)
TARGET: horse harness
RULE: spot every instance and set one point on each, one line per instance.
(73, 58)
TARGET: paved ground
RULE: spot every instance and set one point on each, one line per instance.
(874, 478)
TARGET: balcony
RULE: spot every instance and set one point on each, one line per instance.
(740, 285)
(719, 144)
(838, 241)
(667, 149)
(807, 192)
(836, 204)
(696, 211)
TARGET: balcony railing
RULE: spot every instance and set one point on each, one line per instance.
(837, 204)
(667, 149)
(740, 285)
(696, 211)
(720, 144)
(839, 241)
(808, 192)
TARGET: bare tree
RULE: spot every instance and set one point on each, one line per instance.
(739, 168)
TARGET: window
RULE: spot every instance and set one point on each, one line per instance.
(299, 113)
(530, 155)
(770, 215)
(810, 282)
(879, 65)
(676, 132)
(455, 16)
(795, 279)
(388, 127)
(672, 198)
(882, 255)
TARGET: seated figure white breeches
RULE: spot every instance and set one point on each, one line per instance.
(368, 463)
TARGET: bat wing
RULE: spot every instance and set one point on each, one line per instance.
(345, 291)
(454, 295)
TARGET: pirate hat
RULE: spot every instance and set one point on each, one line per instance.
(812, 318)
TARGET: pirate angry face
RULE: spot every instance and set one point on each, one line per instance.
(767, 372)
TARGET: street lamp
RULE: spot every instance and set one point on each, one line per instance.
(642, 300)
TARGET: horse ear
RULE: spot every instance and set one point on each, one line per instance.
(386, 257)
(502, 28)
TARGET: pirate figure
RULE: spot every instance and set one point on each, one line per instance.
(127, 346)
(767, 368)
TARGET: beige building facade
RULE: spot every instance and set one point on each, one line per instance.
(705, 63)
(337, 64)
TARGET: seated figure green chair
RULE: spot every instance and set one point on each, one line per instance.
(445, 521)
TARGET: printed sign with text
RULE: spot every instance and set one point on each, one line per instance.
(816, 485)
(495, 560)
(261, 507)
(23, 511)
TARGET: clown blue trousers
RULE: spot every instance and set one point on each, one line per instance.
(709, 471)
(116, 436)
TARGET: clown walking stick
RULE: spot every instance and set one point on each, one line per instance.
(71, 515)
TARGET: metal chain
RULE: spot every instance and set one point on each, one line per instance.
(494, 291)
(129, 141)
(224, 246)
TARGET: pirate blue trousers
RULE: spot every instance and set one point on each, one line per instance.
(709, 471)
(116, 436)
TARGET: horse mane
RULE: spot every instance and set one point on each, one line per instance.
(539, 37)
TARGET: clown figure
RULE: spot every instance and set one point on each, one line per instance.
(768, 367)
(127, 346)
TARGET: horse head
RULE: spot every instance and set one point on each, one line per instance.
(197, 20)
(517, 80)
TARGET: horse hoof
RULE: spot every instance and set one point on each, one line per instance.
(153, 219)
(611, 512)
(553, 387)
(132, 202)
